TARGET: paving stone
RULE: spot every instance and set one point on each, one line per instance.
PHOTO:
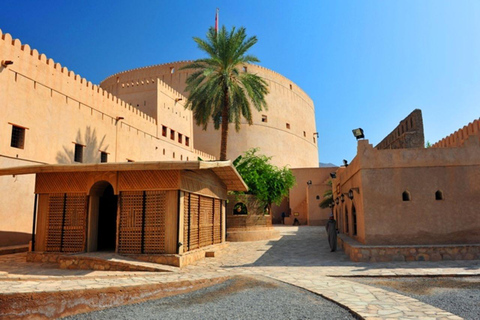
(302, 259)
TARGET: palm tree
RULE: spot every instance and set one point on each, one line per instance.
(327, 196)
(218, 89)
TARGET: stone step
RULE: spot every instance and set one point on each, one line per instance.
(109, 261)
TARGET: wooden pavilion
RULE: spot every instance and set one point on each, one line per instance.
(141, 208)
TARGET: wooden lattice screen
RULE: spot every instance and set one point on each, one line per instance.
(67, 219)
(202, 221)
(142, 222)
(217, 221)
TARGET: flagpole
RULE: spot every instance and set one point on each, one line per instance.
(216, 22)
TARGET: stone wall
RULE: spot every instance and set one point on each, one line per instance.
(254, 226)
(426, 196)
(362, 253)
(408, 134)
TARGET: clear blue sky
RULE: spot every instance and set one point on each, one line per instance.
(364, 63)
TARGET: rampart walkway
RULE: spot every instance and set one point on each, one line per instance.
(301, 257)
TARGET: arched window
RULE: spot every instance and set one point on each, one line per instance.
(354, 220)
(240, 208)
(346, 221)
(439, 195)
(406, 196)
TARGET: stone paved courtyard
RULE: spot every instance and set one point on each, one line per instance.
(300, 257)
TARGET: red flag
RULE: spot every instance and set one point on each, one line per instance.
(216, 22)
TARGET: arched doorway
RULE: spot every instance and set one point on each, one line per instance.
(102, 224)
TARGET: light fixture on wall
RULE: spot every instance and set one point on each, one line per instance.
(358, 133)
(333, 175)
(350, 192)
(309, 182)
(342, 198)
(345, 163)
(336, 201)
(6, 63)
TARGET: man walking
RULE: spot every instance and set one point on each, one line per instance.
(331, 228)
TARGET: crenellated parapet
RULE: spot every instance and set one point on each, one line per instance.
(458, 138)
(172, 69)
(43, 72)
(408, 134)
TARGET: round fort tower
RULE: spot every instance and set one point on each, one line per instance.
(286, 131)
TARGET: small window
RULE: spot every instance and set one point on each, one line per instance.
(406, 196)
(314, 140)
(291, 87)
(288, 125)
(187, 141)
(180, 138)
(18, 137)
(439, 195)
(245, 69)
(187, 158)
(181, 157)
(172, 134)
(130, 160)
(240, 208)
(264, 118)
(304, 134)
(172, 70)
(78, 156)
(164, 131)
(103, 157)
(163, 151)
(318, 197)
(174, 155)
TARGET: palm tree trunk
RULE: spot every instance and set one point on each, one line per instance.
(223, 144)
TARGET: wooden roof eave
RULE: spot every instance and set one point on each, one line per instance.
(223, 169)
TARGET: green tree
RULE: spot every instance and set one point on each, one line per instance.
(218, 89)
(270, 184)
(327, 196)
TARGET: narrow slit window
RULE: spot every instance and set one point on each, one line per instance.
(172, 134)
(187, 141)
(164, 131)
(180, 138)
(406, 196)
(78, 155)
(288, 125)
(103, 157)
(18, 137)
(304, 134)
(130, 160)
(439, 195)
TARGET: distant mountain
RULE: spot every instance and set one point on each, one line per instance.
(325, 165)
